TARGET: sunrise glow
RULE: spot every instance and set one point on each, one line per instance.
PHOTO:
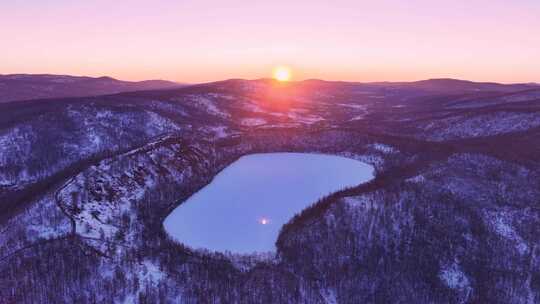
(215, 40)
(282, 73)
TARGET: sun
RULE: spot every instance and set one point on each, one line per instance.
(282, 73)
(264, 221)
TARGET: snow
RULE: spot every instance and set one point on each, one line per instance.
(95, 140)
(506, 99)
(383, 148)
(96, 216)
(274, 185)
(45, 232)
(219, 132)
(252, 106)
(301, 117)
(42, 220)
(364, 202)
(61, 79)
(501, 224)
(374, 160)
(416, 179)
(148, 275)
(253, 87)
(353, 106)
(503, 228)
(151, 273)
(224, 96)
(481, 125)
(453, 277)
(281, 125)
(96, 127)
(329, 296)
(157, 124)
(245, 262)
(206, 103)
(15, 147)
(358, 117)
(130, 299)
(253, 122)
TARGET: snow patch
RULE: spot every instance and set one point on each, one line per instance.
(304, 118)
(151, 273)
(252, 107)
(219, 132)
(253, 122)
(383, 148)
(501, 223)
(453, 277)
(208, 105)
(416, 179)
(481, 125)
(353, 106)
(329, 296)
(358, 117)
(246, 262)
(16, 147)
(360, 202)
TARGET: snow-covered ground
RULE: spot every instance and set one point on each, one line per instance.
(134, 161)
(481, 125)
(252, 122)
(207, 104)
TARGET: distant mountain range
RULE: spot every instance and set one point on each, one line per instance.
(42, 86)
(453, 85)
(36, 86)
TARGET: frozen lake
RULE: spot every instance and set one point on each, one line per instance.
(244, 207)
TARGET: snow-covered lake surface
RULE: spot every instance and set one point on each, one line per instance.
(244, 207)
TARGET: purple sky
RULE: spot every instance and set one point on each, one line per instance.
(204, 40)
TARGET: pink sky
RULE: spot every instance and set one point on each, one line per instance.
(203, 40)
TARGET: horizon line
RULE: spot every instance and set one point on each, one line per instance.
(269, 78)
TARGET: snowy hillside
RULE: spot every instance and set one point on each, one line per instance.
(450, 217)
